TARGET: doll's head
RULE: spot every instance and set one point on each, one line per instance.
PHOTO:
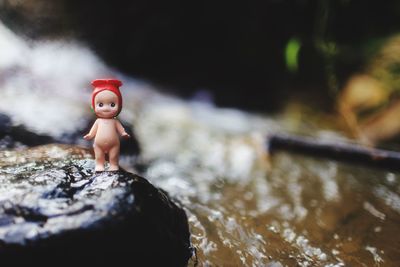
(106, 98)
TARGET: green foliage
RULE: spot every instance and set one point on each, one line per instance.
(292, 54)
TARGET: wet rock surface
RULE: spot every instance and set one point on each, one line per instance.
(53, 208)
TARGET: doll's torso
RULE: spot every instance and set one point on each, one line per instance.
(106, 135)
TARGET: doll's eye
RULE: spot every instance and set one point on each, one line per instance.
(100, 104)
(112, 104)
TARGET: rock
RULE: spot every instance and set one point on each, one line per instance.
(54, 209)
(12, 136)
(5, 123)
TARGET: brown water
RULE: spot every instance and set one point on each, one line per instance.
(305, 212)
(246, 210)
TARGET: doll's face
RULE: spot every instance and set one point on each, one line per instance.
(106, 104)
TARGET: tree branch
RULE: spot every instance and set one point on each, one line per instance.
(335, 150)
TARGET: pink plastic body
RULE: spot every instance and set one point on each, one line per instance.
(107, 104)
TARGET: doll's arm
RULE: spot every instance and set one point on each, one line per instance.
(121, 130)
(92, 132)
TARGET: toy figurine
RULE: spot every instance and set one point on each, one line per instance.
(107, 104)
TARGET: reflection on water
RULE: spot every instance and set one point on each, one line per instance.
(247, 211)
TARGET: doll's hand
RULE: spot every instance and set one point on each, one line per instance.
(88, 137)
(125, 135)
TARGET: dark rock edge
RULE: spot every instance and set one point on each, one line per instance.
(157, 234)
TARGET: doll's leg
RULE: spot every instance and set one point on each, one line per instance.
(100, 159)
(114, 158)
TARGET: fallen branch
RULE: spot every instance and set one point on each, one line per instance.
(340, 151)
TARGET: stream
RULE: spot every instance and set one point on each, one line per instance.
(245, 207)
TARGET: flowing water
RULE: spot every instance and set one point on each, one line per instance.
(245, 207)
(248, 209)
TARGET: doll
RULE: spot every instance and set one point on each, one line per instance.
(106, 104)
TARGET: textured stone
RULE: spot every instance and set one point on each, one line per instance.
(54, 209)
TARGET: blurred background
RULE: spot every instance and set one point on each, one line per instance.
(204, 83)
(255, 55)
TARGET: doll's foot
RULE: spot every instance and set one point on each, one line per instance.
(99, 168)
(113, 168)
